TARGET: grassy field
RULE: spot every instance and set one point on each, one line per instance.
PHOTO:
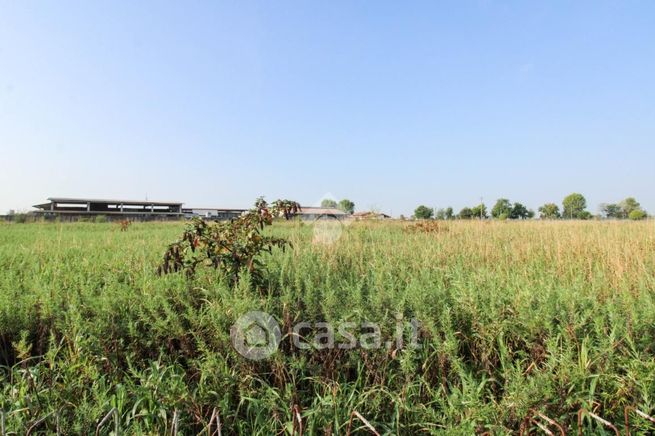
(548, 315)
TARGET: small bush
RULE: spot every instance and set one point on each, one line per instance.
(20, 218)
(125, 224)
(100, 219)
(426, 227)
(230, 246)
(585, 215)
(637, 215)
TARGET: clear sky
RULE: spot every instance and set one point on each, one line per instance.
(391, 104)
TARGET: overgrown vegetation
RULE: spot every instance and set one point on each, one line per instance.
(551, 315)
(426, 227)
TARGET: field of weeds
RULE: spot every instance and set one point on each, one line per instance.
(512, 316)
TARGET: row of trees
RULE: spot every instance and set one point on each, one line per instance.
(344, 205)
(574, 206)
(502, 210)
(628, 208)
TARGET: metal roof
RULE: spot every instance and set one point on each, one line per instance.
(99, 200)
(320, 211)
(222, 209)
(369, 213)
(104, 212)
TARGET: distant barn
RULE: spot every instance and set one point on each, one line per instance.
(315, 213)
(76, 208)
(306, 213)
(370, 215)
(213, 213)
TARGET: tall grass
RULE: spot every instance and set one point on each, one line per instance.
(554, 316)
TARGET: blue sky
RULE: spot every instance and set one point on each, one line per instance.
(390, 104)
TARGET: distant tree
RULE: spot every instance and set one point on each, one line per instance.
(347, 206)
(502, 208)
(465, 214)
(444, 214)
(480, 211)
(549, 211)
(531, 214)
(574, 206)
(423, 212)
(519, 212)
(11, 212)
(628, 206)
(329, 203)
(585, 215)
(638, 214)
(611, 210)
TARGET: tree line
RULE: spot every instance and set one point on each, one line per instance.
(574, 206)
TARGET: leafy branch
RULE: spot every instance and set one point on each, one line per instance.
(230, 246)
